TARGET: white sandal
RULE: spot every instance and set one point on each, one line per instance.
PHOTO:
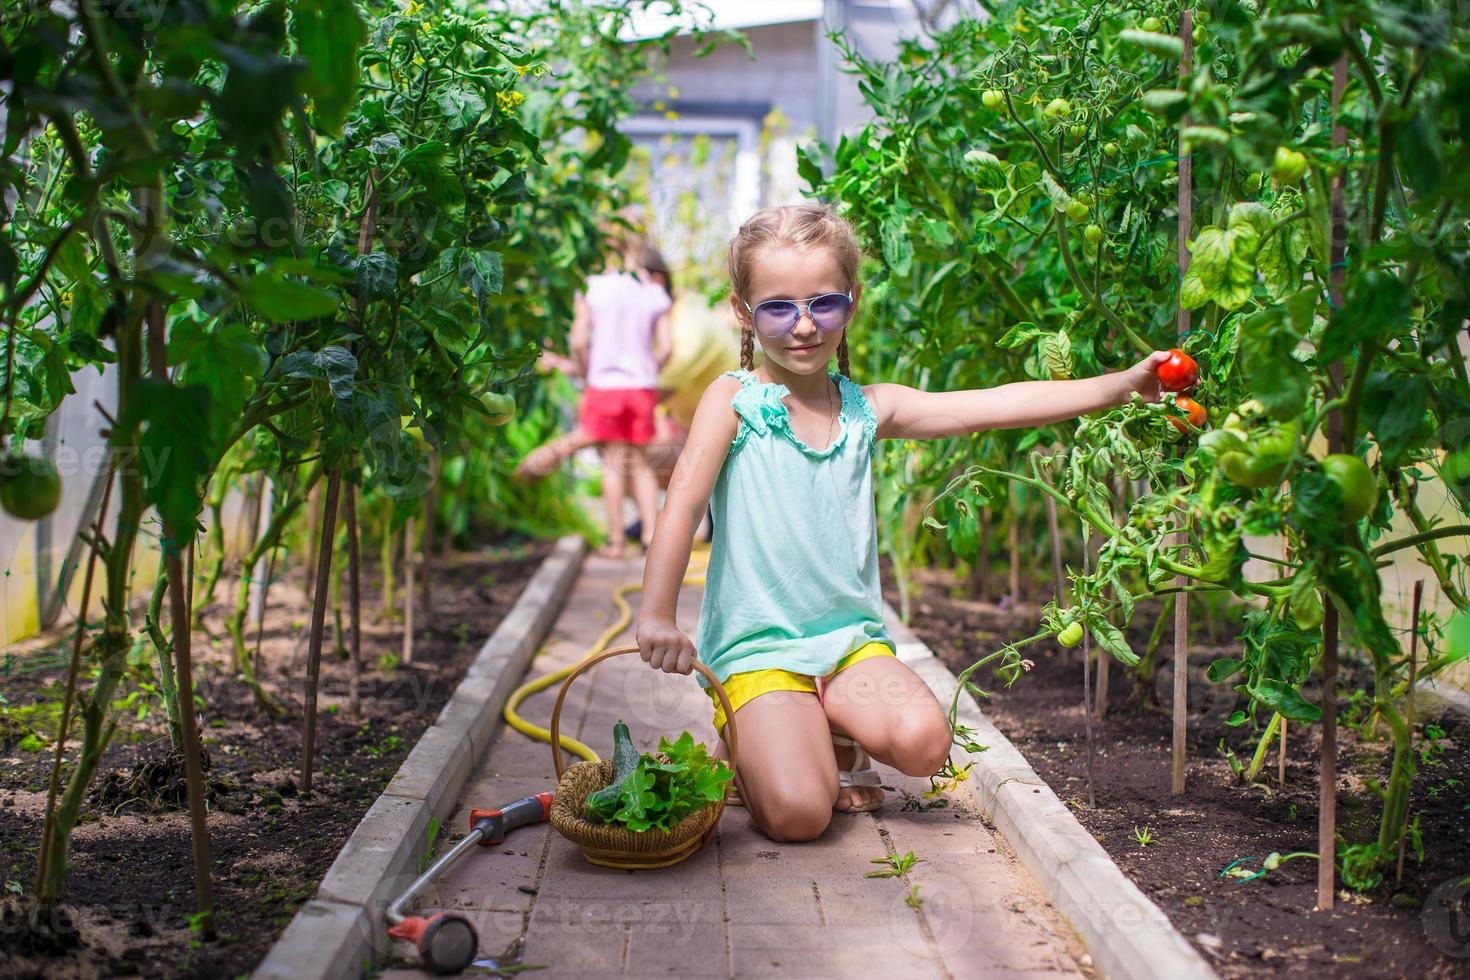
(862, 773)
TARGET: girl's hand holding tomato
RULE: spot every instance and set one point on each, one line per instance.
(1179, 372)
(1144, 377)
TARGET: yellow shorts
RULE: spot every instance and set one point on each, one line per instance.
(742, 687)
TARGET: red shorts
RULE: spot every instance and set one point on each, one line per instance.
(618, 414)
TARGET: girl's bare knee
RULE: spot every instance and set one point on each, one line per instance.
(921, 745)
(787, 819)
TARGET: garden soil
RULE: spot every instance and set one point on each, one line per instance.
(1265, 927)
(130, 893)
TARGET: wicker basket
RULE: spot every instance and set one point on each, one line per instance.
(612, 845)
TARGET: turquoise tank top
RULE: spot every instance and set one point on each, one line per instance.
(792, 580)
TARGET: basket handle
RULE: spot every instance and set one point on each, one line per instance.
(617, 651)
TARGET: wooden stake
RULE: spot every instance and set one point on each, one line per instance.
(354, 601)
(1327, 774)
(318, 626)
(426, 553)
(1409, 707)
(1180, 708)
(178, 591)
(1104, 661)
(409, 551)
(980, 572)
(1086, 680)
(1013, 544)
(1059, 579)
(385, 558)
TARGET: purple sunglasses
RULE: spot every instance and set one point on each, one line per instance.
(775, 318)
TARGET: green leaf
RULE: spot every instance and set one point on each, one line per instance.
(1111, 639)
(1059, 198)
(1395, 410)
(1056, 355)
(462, 106)
(1421, 151)
(1286, 701)
(483, 272)
(281, 300)
(808, 164)
(328, 34)
(1376, 305)
(1457, 635)
(1222, 670)
(1276, 377)
(174, 451)
(898, 250)
(374, 276)
(1163, 45)
(227, 360)
(1019, 335)
(1222, 265)
(1165, 100)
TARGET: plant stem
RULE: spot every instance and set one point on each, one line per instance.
(53, 784)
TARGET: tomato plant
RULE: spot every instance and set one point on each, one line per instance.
(315, 243)
(1344, 326)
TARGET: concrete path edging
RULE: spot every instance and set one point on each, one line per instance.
(1126, 933)
(341, 932)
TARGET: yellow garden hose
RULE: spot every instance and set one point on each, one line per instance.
(695, 576)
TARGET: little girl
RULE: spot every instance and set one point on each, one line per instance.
(792, 616)
(620, 339)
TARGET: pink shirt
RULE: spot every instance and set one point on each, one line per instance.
(624, 309)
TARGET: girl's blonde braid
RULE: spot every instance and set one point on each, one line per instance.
(842, 366)
(747, 349)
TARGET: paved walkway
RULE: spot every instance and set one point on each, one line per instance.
(745, 906)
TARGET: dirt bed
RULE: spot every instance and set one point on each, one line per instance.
(131, 891)
(1262, 927)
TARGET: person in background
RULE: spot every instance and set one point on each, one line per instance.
(620, 340)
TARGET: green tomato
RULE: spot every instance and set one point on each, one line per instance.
(1199, 34)
(1289, 166)
(1076, 210)
(1110, 149)
(1152, 24)
(1071, 635)
(1077, 131)
(1355, 482)
(992, 98)
(30, 487)
(1057, 108)
(1278, 442)
(502, 407)
(1255, 472)
(1093, 233)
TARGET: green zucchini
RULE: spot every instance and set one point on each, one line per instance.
(604, 802)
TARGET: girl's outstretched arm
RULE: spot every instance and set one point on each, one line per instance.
(910, 413)
(715, 423)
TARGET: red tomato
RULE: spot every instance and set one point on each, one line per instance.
(1179, 372)
(1194, 412)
